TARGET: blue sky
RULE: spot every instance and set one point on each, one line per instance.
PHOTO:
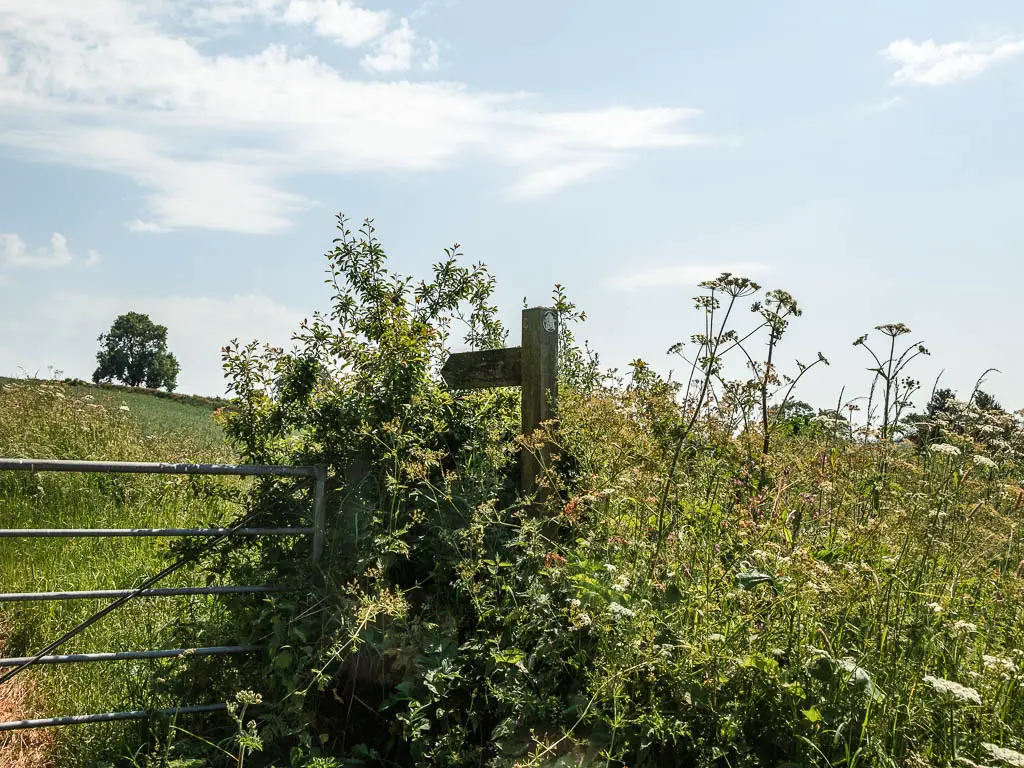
(185, 158)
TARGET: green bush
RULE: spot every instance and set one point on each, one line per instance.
(706, 585)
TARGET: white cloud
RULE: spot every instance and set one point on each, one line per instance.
(341, 20)
(884, 106)
(138, 225)
(929, 63)
(682, 275)
(15, 253)
(197, 328)
(394, 51)
(216, 140)
(92, 258)
(432, 61)
(551, 179)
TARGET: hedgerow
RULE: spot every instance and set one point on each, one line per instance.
(714, 579)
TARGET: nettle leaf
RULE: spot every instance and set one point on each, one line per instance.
(283, 659)
(589, 588)
(508, 656)
(843, 672)
(812, 714)
(752, 579)
(762, 663)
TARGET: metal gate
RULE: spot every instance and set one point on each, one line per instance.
(147, 589)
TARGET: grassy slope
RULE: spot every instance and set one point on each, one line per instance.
(152, 411)
(51, 420)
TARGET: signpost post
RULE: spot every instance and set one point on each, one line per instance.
(533, 367)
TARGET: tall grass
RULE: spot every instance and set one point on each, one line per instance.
(865, 608)
(713, 579)
(49, 420)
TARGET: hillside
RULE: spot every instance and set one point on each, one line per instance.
(41, 419)
(153, 411)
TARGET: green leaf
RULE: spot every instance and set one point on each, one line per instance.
(762, 663)
(283, 659)
(812, 714)
(751, 579)
(508, 656)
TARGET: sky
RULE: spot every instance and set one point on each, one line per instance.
(186, 158)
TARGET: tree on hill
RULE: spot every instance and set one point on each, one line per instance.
(134, 352)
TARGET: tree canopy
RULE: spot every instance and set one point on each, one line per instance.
(134, 352)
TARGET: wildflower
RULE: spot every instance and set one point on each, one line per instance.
(984, 461)
(969, 763)
(716, 638)
(999, 664)
(610, 568)
(620, 610)
(123, 408)
(965, 627)
(1008, 756)
(957, 691)
(936, 607)
(248, 697)
(552, 559)
(945, 449)
(621, 584)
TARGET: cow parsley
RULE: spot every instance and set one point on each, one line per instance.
(1008, 756)
(956, 690)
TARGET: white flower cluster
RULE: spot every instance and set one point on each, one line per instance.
(954, 689)
(999, 664)
(1008, 756)
(984, 461)
(945, 449)
(620, 611)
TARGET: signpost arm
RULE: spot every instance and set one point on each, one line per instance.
(539, 385)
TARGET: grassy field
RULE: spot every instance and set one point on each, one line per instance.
(152, 413)
(54, 420)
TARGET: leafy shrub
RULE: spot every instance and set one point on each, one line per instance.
(711, 582)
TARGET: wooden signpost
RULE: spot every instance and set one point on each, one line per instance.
(532, 366)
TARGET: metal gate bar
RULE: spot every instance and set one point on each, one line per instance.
(109, 717)
(86, 658)
(112, 533)
(22, 597)
(156, 468)
(318, 474)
